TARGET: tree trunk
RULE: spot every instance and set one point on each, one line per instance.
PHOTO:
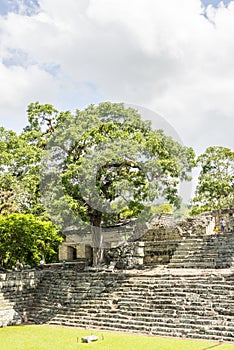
(97, 238)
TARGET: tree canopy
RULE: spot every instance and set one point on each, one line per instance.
(19, 174)
(215, 189)
(90, 168)
(105, 160)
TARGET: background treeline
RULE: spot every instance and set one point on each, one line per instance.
(134, 164)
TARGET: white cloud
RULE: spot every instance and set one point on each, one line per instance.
(163, 55)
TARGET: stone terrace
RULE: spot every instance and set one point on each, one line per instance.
(191, 295)
(215, 251)
(170, 302)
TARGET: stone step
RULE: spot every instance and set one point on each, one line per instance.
(166, 302)
(157, 328)
(133, 307)
(205, 252)
(202, 323)
(193, 259)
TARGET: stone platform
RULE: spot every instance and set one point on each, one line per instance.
(162, 301)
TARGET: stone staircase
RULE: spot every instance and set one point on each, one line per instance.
(213, 251)
(192, 303)
(173, 302)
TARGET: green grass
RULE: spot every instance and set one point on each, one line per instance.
(59, 338)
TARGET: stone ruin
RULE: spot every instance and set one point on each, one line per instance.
(162, 242)
(183, 286)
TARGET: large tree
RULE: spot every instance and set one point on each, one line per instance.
(215, 189)
(102, 161)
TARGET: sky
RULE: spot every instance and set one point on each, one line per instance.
(174, 57)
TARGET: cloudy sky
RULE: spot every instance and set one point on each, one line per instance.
(175, 57)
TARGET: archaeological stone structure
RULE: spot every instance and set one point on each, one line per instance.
(184, 243)
(176, 279)
(187, 243)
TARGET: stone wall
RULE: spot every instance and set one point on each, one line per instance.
(71, 251)
(128, 255)
(193, 304)
(79, 246)
(17, 291)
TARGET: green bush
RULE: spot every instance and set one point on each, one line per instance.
(27, 239)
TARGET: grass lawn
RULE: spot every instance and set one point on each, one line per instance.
(59, 338)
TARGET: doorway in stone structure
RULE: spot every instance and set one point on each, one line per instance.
(71, 253)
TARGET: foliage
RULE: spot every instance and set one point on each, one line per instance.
(111, 163)
(164, 208)
(132, 163)
(19, 174)
(215, 189)
(127, 213)
(182, 212)
(27, 239)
